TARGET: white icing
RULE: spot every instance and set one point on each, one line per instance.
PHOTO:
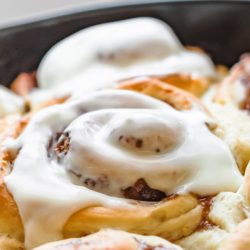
(9, 102)
(192, 159)
(97, 57)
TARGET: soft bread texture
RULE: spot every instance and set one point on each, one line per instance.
(9, 243)
(228, 210)
(239, 239)
(233, 127)
(172, 219)
(203, 240)
(112, 240)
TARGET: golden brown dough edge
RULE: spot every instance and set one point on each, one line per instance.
(174, 96)
(197, 86)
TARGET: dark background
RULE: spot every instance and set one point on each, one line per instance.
(222, 28)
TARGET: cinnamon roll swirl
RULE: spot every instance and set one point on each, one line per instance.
(117, 159)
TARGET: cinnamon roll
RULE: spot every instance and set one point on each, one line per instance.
(117, 159)
(94, 58)
(113, 240)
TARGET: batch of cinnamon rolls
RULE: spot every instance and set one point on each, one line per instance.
(124, 139)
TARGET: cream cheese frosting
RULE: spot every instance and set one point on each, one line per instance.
(99, 56)
(178, 153)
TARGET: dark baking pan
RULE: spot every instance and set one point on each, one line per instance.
(220, 27)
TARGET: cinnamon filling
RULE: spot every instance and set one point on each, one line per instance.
(58, 145)
(63, 144)
(142, 192)
(205, 223)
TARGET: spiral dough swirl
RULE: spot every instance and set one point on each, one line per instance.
(114, 142)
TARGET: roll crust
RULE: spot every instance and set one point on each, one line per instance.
(174, 96)
(171, 219)
(195, 86)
